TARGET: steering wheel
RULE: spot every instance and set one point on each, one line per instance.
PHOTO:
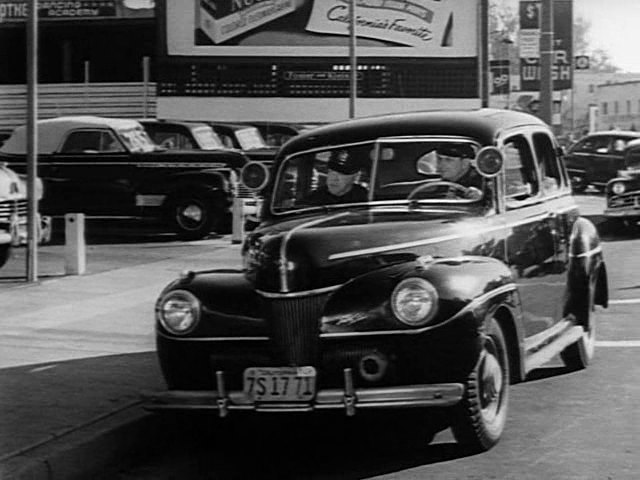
(456, 188)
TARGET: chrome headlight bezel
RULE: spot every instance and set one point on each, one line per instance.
(178, 311)
(414, 301)
(618, 188)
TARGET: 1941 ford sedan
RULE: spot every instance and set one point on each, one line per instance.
(423, 293)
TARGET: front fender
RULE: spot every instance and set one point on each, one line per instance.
(463, 283)
(230, 306)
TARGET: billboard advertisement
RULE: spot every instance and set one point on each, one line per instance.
(418, 28)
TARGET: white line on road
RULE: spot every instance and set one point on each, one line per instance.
(618, 343)
(624, 301)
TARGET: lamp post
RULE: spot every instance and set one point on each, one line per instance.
(353, 72)
(32, 141)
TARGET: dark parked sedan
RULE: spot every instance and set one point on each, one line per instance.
(623, 192)
(596, 158)
(246, 138)
(110, 168)
(422, 260)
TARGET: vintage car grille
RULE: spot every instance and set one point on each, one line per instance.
(295, 328)
(10, 207)
(243, 192)
(629, 200)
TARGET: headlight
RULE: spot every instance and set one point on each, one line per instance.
(414, 301)
(618, 188)
(178, 311)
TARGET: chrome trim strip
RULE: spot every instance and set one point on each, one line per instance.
(479, 300)
(284, 284)
(306, 293)
(212, 339)
(590, 253)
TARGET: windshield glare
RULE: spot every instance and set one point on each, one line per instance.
(137, 140)
(250, 139)
(404, 170)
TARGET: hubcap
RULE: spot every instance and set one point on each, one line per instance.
(192, 212)
(491, 386)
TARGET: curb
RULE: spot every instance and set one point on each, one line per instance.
(90, 451)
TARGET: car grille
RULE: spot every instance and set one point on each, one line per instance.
(10, 207)
(622, 201)
(243, 192)
(295, 328)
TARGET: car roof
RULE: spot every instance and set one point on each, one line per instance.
(629, 133)
(162, 121)
(53, 130)
(481, 124)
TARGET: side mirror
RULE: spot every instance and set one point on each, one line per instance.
(489, 161)
(254, 176)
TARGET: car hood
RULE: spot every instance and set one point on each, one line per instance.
(318, 251)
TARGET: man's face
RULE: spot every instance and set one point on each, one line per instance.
(339, 183)
(451, 168)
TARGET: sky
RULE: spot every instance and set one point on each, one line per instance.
(615, 27)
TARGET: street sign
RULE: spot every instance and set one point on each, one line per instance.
(500, 77)
(581, 62)
(562, 44)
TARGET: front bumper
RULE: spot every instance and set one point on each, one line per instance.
(347, 398)
(622, 213)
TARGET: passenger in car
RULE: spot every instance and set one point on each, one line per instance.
(340, 186)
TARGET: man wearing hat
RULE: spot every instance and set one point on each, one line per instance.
(454, 165)
(340, 186)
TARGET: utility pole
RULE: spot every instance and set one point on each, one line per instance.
(546, 61)
(353, 77)
(32, 142)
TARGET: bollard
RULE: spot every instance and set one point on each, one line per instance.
(237, 232)
(75, 260)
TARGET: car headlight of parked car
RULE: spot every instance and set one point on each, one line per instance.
(414, 301)
(618, 188)
(178, 311)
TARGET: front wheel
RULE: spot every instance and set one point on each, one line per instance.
(479, 419)
(192, 215)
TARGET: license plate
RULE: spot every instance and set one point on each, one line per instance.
(282, 384)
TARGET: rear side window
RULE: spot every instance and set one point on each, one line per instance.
(521, 182)
(597, 144)
(91, 141)
(548, 168)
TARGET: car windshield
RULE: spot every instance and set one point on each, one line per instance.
(207, 139)
(137, 140)
(390, 172)
(250, 138)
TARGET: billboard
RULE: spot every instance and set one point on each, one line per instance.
(410, 54)
(12, 11)
(417, 28)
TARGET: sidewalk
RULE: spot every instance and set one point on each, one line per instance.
(77, 351)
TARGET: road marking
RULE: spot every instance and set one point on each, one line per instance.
(618, 343)
(626, 301)
(40, 369)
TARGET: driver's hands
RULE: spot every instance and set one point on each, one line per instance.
(468, 193)
(473, 194)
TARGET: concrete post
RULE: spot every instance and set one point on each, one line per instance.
(75, 258)
(237, 232)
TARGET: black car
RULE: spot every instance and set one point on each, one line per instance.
(596, 158)
(110, 168)
(246, 138)
(421, 290)
(623, 192)
(182, 134)
(277, 134)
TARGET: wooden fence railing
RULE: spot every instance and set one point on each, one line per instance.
(124, 100)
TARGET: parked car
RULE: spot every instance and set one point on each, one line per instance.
(623, 192)
(246, 138)
(182, 134)
(277, 134)
(4, 134)
(418, 295)
(107, 167)
(13, 213)
(596, 158)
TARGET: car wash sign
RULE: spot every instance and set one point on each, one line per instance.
(529, 44)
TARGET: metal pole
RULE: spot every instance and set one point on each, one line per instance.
(483, 53)
(145, 85)
(353, 84)
(546, 61)
(32, 142)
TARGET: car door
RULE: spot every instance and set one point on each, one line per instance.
(532, 249)
(91, 174)
(588, 160)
